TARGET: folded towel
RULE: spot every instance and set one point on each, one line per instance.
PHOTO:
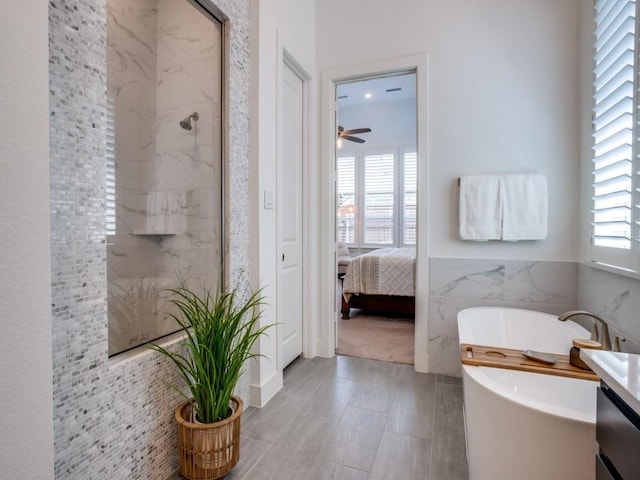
(480, 207)
(525, 207)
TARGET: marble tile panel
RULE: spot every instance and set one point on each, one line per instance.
(604, 294)
(131, 210)
(444, 355)
(191, 169)
(190, 83)
(132, 261)
(135, 167)
(614, 298)
(131, 77)
(173, 138)
(467, 278)
(133, 24)
(540, 282)
(181, 42)
(172, 13)
(134, 123)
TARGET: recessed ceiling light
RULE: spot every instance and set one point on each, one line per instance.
(397, 89)
(340, 97)
(368, 95)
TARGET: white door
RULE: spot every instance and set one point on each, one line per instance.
(290, 217)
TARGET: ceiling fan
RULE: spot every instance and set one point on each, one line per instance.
(347, 134)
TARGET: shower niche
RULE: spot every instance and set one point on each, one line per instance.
(164, 161)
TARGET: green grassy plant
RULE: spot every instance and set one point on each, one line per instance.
(220, 331)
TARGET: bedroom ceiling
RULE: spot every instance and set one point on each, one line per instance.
(383, 89)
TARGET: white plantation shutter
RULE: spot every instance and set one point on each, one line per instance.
(346, 199)
(379, 199)
(410, 196)
(614, 127)
(110, 175)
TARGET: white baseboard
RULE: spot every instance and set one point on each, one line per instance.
(259, 395)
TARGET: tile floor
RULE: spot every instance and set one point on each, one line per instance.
(349, 418)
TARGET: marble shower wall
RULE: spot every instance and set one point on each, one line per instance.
(456, 284)
(164, 63)
(614, 298)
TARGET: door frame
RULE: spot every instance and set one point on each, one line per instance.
(329, 314)
(285, 57)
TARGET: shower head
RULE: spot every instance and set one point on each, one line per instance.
(186, 123)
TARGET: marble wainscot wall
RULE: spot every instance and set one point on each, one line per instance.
(456, 284)
(616, 299)
(114, 419)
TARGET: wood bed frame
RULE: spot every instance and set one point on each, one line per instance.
(386, 304)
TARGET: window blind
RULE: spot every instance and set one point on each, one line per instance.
(346, 199)
(613, 132)
(410, 172)
(378, 199)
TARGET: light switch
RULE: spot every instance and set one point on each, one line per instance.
(268, 200)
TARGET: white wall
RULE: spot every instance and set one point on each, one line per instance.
(25, 301)
(275, 25)
(503, 97)
(392, 123)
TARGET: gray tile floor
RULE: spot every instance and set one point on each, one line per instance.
(350, 418)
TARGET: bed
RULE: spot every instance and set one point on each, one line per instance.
(381, 281)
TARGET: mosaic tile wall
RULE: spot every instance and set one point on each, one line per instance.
(456, 284)
(115, 420)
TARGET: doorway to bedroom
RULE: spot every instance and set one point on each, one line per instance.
(376, 216)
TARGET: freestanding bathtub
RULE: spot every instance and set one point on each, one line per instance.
(522, 425)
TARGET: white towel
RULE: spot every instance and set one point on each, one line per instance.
(525, 207)
(480, 207)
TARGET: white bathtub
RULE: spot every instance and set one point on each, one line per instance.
(522, 425)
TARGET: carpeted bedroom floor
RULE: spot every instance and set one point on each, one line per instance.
(376, 337)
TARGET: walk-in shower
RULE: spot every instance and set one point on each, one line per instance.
(164, 69)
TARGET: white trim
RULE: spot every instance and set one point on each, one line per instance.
(259, 395)
(328, 307)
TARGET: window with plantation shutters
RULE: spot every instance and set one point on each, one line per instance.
(110, 174)
(410, 197)
(346, 199)
(376, 198)
(614, 127)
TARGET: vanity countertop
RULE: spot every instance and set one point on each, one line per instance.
(621, 371)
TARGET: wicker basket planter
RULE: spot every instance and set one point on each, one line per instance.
(208, 451)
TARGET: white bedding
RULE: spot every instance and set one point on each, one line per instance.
(386, 271)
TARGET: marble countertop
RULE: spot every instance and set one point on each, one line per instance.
(621, 371)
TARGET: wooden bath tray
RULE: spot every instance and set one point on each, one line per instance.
(512, 359)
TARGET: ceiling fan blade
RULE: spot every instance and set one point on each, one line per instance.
(357, 130)
(353, 139)
(340, 129)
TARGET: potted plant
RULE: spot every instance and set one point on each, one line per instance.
(220, 331)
